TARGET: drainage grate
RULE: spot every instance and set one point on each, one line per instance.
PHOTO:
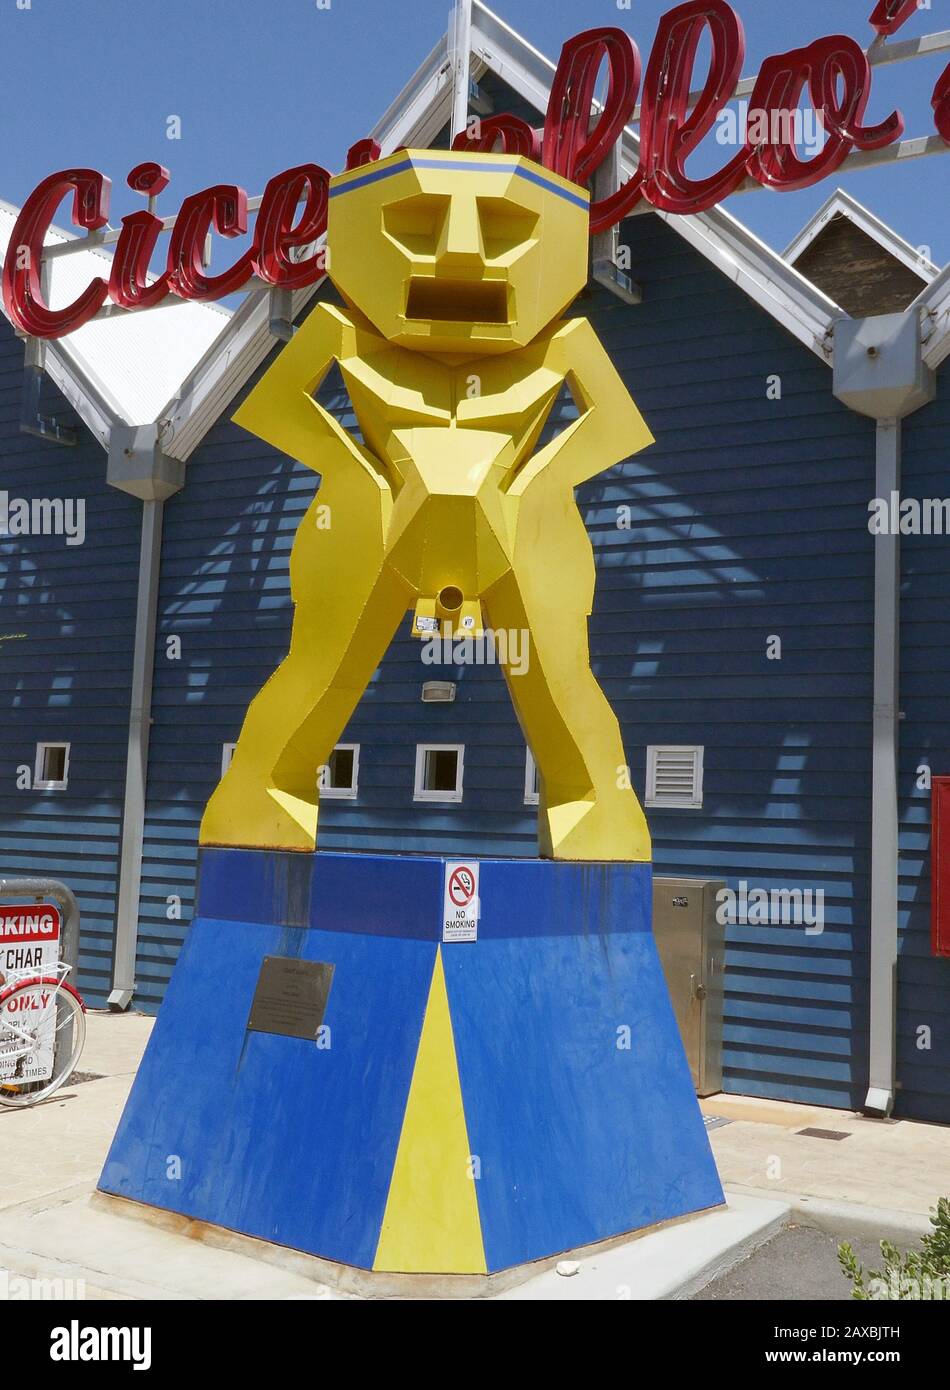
(824, 1133)
(715, 1121)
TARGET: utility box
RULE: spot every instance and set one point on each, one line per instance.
(940, 866)
(691, 944)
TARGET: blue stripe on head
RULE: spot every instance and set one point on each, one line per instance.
(476, 165)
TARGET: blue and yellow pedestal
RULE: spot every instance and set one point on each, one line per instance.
(470, 1106)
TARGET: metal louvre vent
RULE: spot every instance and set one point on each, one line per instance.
(675, 777)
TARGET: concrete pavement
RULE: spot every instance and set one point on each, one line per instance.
(62, 1143)
(897, 1166)
(879, 1180)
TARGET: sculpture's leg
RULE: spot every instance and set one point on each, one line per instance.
(588, 809)
(348, 605)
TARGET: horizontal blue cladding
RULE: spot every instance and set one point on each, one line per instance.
(923, 982)
(746, 520)
(68, 677)
(756, 532)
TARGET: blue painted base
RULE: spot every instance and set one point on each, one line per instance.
(576, 1091)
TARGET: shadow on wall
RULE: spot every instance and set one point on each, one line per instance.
(746, 522)
(68, 679)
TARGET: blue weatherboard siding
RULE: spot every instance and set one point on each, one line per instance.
(748, 518)
(923, 982)
(70, 678)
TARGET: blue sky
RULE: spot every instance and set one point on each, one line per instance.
(263, 84)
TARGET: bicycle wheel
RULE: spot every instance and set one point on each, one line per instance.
(59, 1029)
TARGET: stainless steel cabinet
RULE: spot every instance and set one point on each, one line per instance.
(691, 946)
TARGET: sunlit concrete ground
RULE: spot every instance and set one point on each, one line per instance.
(898, 1165)
(53, 1155)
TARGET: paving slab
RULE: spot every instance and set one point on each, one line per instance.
(73, 1239)
(892, 1165)
(115, 1042)
(60, 1142)
(880, 1180)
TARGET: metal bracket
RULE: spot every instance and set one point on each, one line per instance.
(32, 421)
(280, 314)
(609, 275)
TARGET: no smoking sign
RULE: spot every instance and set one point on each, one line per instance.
(460, 901)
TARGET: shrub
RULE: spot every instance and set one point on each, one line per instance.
(922, 1274)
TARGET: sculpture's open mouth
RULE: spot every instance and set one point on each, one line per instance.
(457, 301)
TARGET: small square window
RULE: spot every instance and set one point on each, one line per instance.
(227, 756)
(51, 771)
(675, 777)
(339, 776)
(439, 770)
(532, 785)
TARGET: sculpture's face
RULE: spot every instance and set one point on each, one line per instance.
(451, 252)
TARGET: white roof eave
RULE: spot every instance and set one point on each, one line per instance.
(778, 288)
(119, 369)
(933, 304)
(759, 271)
(416, 115)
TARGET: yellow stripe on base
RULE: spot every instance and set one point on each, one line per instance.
(431, 1220)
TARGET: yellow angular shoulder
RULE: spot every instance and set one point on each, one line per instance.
(280, 409)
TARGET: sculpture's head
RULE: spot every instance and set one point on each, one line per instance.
(451, 252)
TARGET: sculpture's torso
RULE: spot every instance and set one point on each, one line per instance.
(450, 441)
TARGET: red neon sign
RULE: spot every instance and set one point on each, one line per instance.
(889, 15)
(941, 104)
(834, 72)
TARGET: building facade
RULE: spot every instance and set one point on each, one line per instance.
(735, 617)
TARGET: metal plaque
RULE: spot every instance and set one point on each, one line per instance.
(291, 997)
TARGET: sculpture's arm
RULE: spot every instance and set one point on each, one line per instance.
(609, 428)
(281, 409)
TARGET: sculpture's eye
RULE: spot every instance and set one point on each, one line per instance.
(506, 227)
(416, 223)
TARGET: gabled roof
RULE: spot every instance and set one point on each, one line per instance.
(758, 270)
(841, 204)
(416, 117)
(122, 368)
(202, 359)
(933, 302)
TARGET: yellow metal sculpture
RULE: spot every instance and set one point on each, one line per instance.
(455, 269)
